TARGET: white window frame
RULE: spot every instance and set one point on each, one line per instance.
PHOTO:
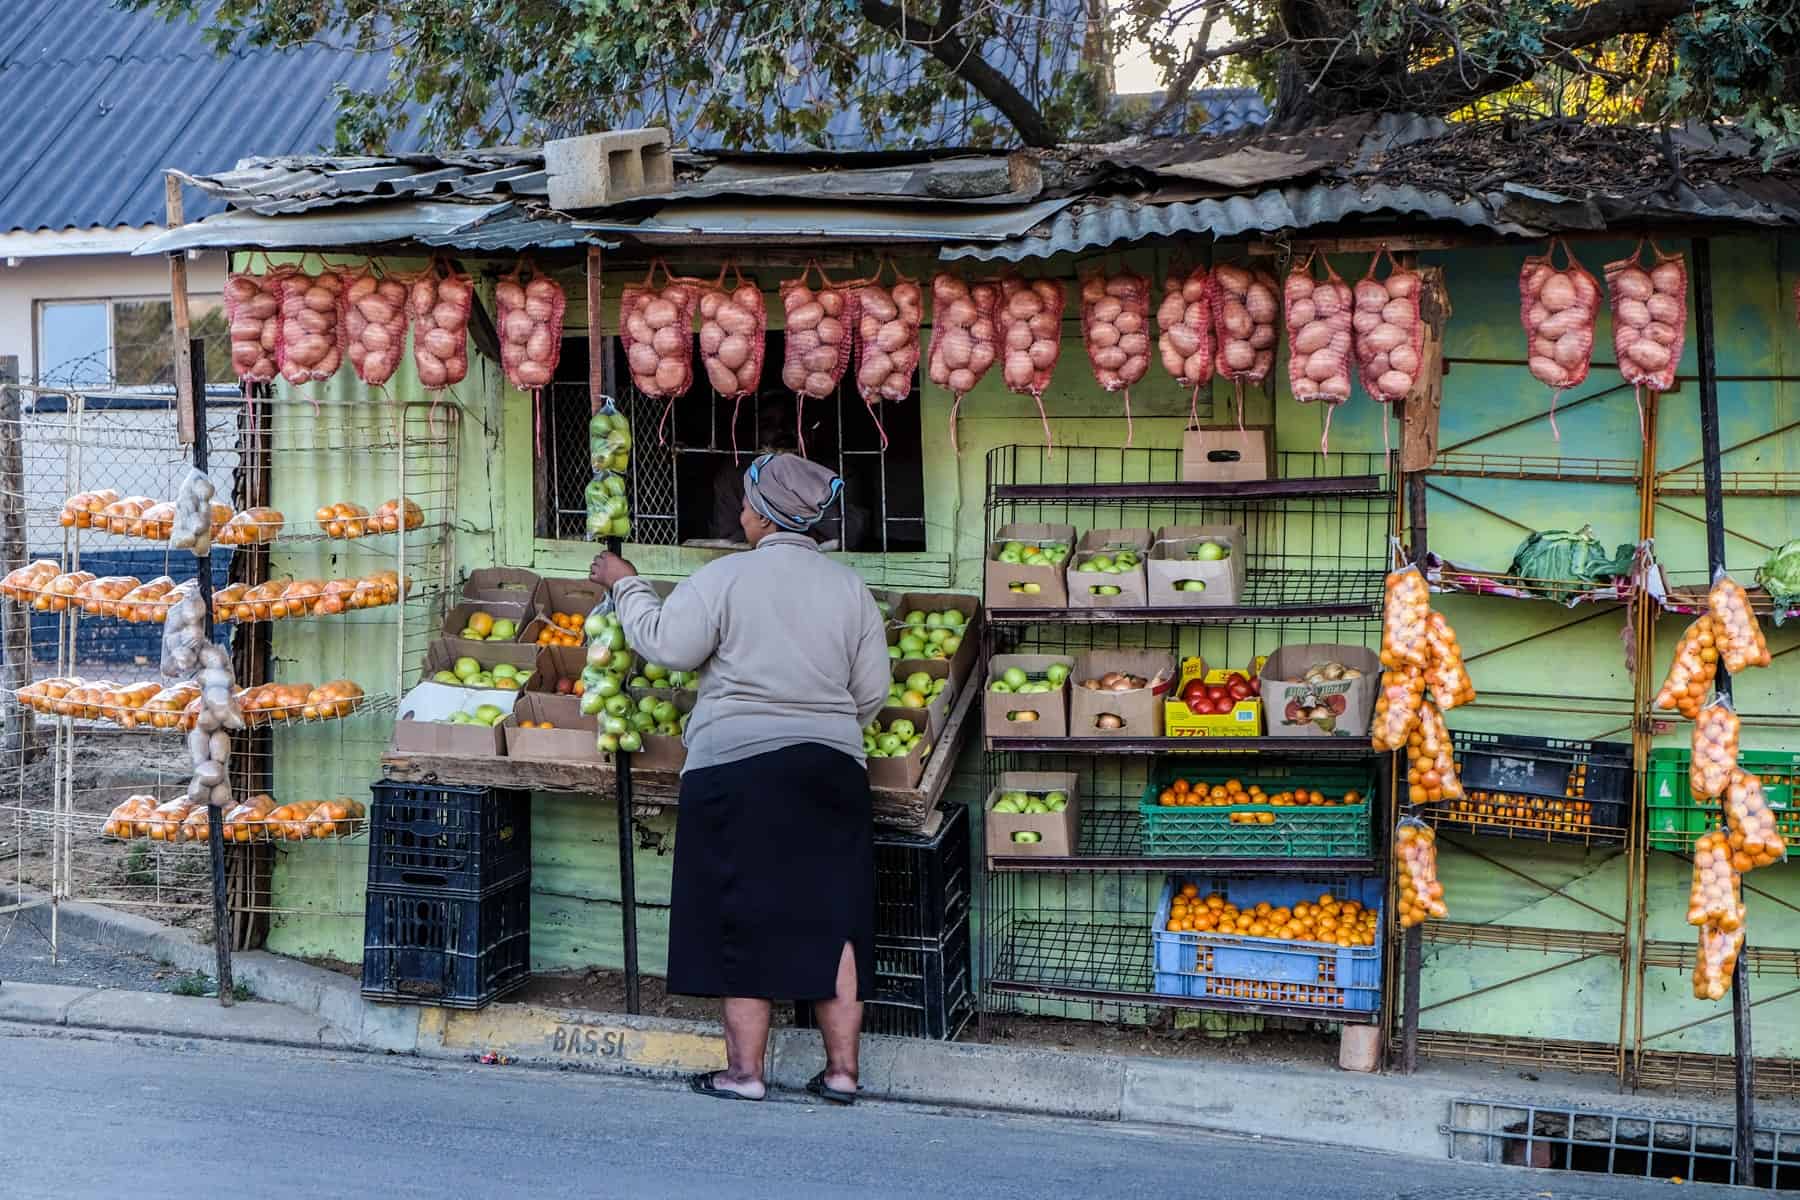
(197, 303)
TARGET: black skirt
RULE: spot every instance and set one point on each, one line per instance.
(774, 872)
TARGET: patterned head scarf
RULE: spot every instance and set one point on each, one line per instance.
(790, 492)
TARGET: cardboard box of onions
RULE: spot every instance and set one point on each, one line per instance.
(1119, 693)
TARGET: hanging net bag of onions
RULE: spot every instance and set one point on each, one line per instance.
(820, 318)
(1029, 322)
(438, 301)
(374, 324)
(1557, 306)
(310, 345)
(1115, 328)
(1245, 311)
(656, 327)
(887, 341)
(530, 307)
(733, 323)
(1318, 327)
(1649, 320)
(1390, 333)
(964, 339)
(1184, 321)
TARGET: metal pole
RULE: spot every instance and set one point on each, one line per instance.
(215, 813)
(597, 375)
(1413, 962)
(1744, 1158)
(15, 621)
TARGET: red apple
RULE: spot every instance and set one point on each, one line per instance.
(1193, 687)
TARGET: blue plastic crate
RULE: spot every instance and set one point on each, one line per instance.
(1235, 966)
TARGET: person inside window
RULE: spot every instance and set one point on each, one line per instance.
(841, 528)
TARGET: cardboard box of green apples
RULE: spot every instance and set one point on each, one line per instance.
(496, 666)
(1027, 695)
(924, 614)
(924, 685)
(1033, 813)
(897, 742)
(1025, 566)
(1107, 569)
(1196, 566)
(437, 719)
(659, 716)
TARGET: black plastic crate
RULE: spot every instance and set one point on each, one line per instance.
(462, 839)
(1542, 789)
(422, 946)
(920, 991)
(923, 885)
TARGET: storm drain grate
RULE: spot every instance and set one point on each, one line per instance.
(1638, 1145)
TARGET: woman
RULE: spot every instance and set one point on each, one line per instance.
(774, 882)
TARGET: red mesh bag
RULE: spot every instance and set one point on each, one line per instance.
(732, 325)
(1245, 312)
(374, 325)
(437, 304)
(1557, 306)
(1390, 336)
(1318, 329)
(1115, 328)
(530, 306)
(656, 326)
(964, 338)
(1649, 320)
(310, 346)
(887, 339)
(1029, 322)
(1185, 319)
(820, 320)
(252, 311)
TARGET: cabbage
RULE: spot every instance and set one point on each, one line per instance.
(1780, 577)
(1578, 557)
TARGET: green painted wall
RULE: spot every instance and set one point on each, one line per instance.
(1525, 671)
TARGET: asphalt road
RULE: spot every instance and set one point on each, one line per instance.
(121, 1117)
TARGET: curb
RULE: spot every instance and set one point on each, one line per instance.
(1280, 1101)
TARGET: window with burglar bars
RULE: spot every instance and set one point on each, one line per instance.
(688, 458)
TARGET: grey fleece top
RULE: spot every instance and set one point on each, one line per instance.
(789, 645)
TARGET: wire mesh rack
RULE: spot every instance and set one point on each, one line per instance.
(67, 773)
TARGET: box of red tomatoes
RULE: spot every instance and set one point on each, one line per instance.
(1213, 703)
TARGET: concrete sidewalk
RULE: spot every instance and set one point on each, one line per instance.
(316, 1008)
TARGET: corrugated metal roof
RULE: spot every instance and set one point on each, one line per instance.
(1094, 224)
(720, 222)
(442, 224)
(117, 97)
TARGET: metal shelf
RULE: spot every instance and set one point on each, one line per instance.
(1336, 748)
(1269, 594)
(1257, 489)
(1111, 840)
(1112, 963)
(1540, 467)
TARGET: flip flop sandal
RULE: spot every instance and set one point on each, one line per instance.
(817, 1086)
(703, 1084)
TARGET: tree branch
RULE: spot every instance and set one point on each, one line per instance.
(1449, 85)
(1198, 56)
(947, 46)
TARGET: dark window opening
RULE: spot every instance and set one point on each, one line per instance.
(688, 457)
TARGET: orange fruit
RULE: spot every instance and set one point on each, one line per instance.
(481, 623)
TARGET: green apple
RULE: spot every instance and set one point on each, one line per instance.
(1027, 837)
(916, 618)
(490, 714)
(591, 703)
(505, 671)
(668, 729)
(505, 629)
(607, 743)
(868, 744)
(1036, 807)
(465, 668)
(1191, 585)
(1057, 801)
(1015, 677)
(655, 673)
(642, 722)
(616, 705)
(446, 677)
(894, 653)
(665, 712)
(902, 727)
(524, 677)
(953, 618)
(1006, 804)
(481, 680)
(934, 620)
(1105, 589)
(912, 645)
(888, 743)
(507, 683)
(1057, 674)
(1011, 557)
(1001, 687)
(1209, 552)
(1031, 589)
(951, 644)
(471, 636)
(594, 625)
(631, 741)
(614, 725)
(937, 687)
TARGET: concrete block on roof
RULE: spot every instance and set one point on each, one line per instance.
(598, 169)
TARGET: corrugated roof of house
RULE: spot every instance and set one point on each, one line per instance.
(113, 98)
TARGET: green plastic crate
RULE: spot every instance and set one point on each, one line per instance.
(1339, 832)
(1676, 819)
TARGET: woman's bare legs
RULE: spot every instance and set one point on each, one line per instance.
(746, 1046)
(840, 1025)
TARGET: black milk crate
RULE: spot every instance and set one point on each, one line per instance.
(453, 950)
(464, 839)
(923, 885)
(920, 991)
(1554, 768)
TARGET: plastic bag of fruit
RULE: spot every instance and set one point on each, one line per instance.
(1421, 896)
(607, 497)
(1430, 762)
(1719, 949)
(1715, 749)
(1755, 839)
(1403, 618)
(1397, 707)
(1691, 673)
(605, 678)
(1715, 896)
(1446, 675)
(1735, 629)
